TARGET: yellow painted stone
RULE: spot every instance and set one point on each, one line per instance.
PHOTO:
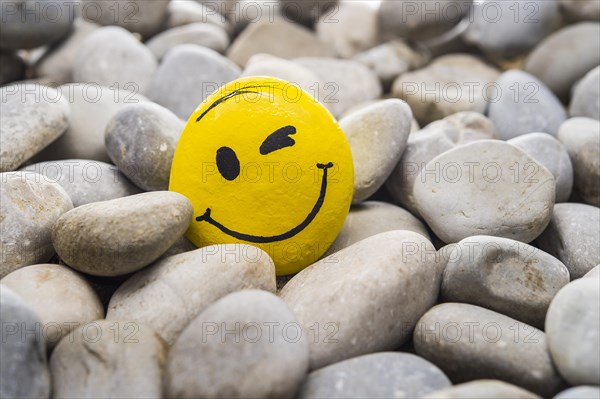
(265, 163)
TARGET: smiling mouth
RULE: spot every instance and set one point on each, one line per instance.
(267, 239)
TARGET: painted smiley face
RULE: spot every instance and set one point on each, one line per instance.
(266, 164)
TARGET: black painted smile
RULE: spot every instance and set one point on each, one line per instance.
(261, 239)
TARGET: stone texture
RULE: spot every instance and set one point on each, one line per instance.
(483, 389)
(586, 96)
(138, 16)
(200, 34)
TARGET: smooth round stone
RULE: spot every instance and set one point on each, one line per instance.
(420, 20)
(373, 217)
(486, 187)
(85, 180)
(120, 236)
(110, 359)
(510, 277)
(29, 207)
(277, 37)
(573, 330)
(377, 375)
(57, 61)
(113, 57)
(580, 10)
(377, 136)
(565, 56)
(32, 23)
(469, 342)
(180, 86)
(141, 140)
(572, 236)
(13, 67)
(23, 348)
(63, 299)
(250, 326)
(581, 138)
(549, 152)
(342, 83)
(173, 291)
(523, 104)
(138, 16)
(450, 84)
(201, 34)
(33, 116)
(352, 29)
(586, 96)
(595, 272)
(580, 392)
(507, 29)
(92, 107)
(429, 142)
(307, 12)
(184, 12)
(483, 389)
(390, 268)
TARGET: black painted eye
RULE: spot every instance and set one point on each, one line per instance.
(228, 163)
(278, 139)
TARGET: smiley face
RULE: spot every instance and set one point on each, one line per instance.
(264, 163)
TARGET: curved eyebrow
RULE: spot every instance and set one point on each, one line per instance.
(240, 91)
(278, 139)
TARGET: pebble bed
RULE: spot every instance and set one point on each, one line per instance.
(468, 265)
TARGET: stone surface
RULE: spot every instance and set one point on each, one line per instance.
(141, 140)
(586, 96)
(469, 342)
(33, 116)
(389, 268)
(180, 86)
(581, 138)
(62, 298)
(111, 359)
(29, 207)
(486, 187)
(507, 276)
(377, 375)
(122, 235)
(28, 375)
(267, 364)
(580, 392)
(377, 135)
(573, 330)
(173, 291)
(200, 34)
(566, 56)
(549, 152)
(523, 104)
(113, 57)
(13, 67)
(595, 272)
(450, 84)
(580, 10)
(482, 389)
(564, 237)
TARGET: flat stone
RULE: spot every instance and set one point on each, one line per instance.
(111, 359)
(377, 375)
(141, 140)
(586, 96)
(487, 187)
(572, 236)
(507, 276)
(483, 389)
(580, 392)
(201, 34)
(62, 298)
(33, 116)
(523, 104)
(13, 67)
(120, 236)
(469, 342)
(180, 86)
(251, 327)
(30, 206)
(389, 268)
(28, 375)
(173, 291)
(573, 330)
(581, 138)
(377, 136)
(549, 152)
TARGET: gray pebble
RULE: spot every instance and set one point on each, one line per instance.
(586, 96)
(377, 375)
(141, 140)
(580, 392)
(122, 235)
(257, 330)
(201, 34)
(29, 208)
(483, 389)
(13, 67)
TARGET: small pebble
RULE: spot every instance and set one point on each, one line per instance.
(586, 96)
(201, 34)
(483, 389)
